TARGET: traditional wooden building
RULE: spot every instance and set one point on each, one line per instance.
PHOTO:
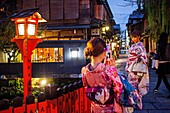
(70, 24)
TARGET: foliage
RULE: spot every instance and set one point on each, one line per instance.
(7, 31)
(157, 17)
(13, 88)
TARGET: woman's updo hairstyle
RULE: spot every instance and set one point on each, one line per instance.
(95, 47)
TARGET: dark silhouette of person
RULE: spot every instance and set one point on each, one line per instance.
(163, 62)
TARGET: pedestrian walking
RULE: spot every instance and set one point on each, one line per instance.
(97, 75)
(164, 62)
(137, 55)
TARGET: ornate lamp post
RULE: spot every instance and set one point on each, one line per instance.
(26, 23)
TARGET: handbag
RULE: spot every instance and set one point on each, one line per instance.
(139, 67)
(129, 97)
(143, 85)
(155, 64)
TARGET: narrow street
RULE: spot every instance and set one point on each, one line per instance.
(152, 103)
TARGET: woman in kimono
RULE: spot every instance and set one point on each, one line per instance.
(137, 52)
(95, 73)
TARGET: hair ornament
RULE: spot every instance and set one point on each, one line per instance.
(107, 48)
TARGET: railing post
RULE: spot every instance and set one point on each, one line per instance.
(66, 95)
(60, 99)
(18, 106)
(77, 98)
(51, 91)
(42, 103)
(4, 106)
(71, 100)
(73, 97)
(30, 104)
(51, 94)
(81, 91)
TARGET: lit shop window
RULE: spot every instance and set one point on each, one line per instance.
(47, 55)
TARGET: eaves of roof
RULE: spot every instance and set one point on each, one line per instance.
(107, 7)
(136, 16)
(136, 23)
(25, 13)
(50, 27)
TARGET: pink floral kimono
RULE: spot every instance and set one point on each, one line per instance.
(96, 78)
(141, 83)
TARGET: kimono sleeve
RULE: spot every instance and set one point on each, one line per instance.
(143, 53)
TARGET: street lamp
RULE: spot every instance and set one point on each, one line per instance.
(74, 52)
(26, 24)
(105, 31)
(107, 28)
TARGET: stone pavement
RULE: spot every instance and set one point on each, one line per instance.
(152, 103)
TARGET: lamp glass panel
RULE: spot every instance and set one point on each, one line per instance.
(21, 29)
(31, 29)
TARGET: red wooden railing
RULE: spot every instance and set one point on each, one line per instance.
(69, 99)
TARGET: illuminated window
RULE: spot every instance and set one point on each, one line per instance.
(47, 55)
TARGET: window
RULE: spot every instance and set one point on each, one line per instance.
(44, 55)
(47, 55)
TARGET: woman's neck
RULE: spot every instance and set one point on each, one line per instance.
(95, 62)
(137, 42)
